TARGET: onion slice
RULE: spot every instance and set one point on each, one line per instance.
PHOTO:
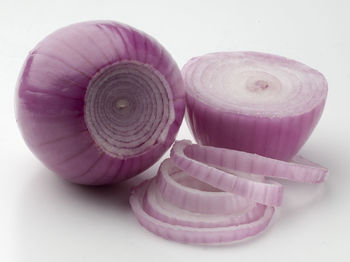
(203, 163)
(253, 102)
(196, 165)
(257, 110)
(298, 170)
(186, 192)
(157, 207)
(194, 235)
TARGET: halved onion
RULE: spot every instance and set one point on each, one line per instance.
(253, 102)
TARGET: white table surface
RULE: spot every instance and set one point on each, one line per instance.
(44, 218)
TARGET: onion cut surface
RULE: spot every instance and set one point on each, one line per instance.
(98, 102)
(253, 102)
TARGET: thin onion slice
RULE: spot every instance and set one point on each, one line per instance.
(186, 192)
(253, 102)
(157, 207)
(197, 166)
(298, 170)
(194, 235)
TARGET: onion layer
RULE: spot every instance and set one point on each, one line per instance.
(186, 192)
(210, 165)
(170, 222)
(159, 208)
(253, 102)
(208, 195)
(98, 102)
(261, 192)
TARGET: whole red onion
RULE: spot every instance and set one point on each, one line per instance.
(98, 102)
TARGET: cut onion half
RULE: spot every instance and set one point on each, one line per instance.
(253, 102)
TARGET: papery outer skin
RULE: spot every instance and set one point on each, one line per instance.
(193, 235)
(50, 99)
(270, 136)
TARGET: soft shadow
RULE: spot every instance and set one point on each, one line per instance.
(299, 198)
(56, 218)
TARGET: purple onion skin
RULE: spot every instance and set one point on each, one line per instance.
(278, 138)
(50, 99)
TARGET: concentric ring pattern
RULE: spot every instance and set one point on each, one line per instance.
(128, 107)
(253, 102)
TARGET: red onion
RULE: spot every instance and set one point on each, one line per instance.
(208, 195)
(188, 156)
(253, 102)
(98, 102)
(186, 192)
(201, 162)
(262, 192)
(264, 107)
(179, 225)
(162, 210)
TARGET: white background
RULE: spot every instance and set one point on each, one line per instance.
(44, 218)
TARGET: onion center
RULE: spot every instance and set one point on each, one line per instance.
(122, 104)
(128, 108)
(259, 85)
